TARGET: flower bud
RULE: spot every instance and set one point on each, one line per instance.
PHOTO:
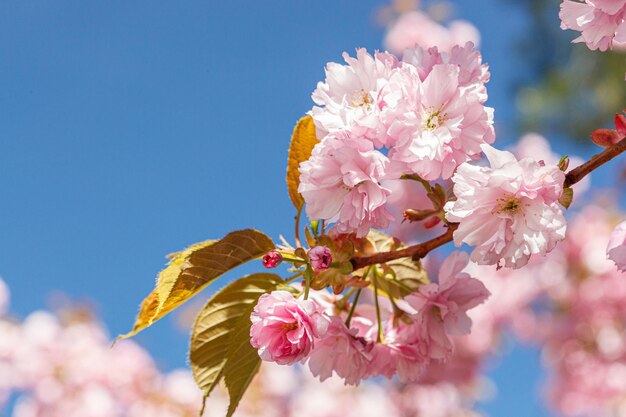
(320, 258)
(272, 259)
(620, 124)
(605, 137)
(432, 222)
(563, 163)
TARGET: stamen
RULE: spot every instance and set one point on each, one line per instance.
(362, 98)
(509, 204)
(434, 118)
(290, 326)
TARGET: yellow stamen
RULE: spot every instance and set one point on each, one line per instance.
(509, 204)
(434, 118)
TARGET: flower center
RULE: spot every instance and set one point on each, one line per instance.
(362, 98)
(290, 326)
(434, 118)
(509, 204)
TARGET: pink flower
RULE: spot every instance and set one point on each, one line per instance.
(600, 22)
(320, 258)
(417, 28)
(473, 74)
(348, 97)
(441, 309)
(272, 259)
(509, 211)
(341, 183)
(341, 351)
(284, 329)
(616, 250)
(401, 354)
(533, 145)
(436, 123)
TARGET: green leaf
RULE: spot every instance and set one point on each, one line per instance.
(220, 340)
(567, 197)
(303, 140)
(191, 270)
(399, 277)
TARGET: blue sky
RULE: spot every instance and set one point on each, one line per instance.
(132, 129)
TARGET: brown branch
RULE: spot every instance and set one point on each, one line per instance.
(422, 249)
(596, 161)
(415, 251)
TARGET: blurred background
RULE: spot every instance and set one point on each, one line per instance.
(130, 130)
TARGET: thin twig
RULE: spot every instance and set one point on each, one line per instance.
(596, 161)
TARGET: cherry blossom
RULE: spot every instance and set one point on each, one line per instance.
(417, 28)
(600, 22)
(343, 352)
(347, 99)
(441, 309)
(341, 183)
(285, 329)
(509, 211)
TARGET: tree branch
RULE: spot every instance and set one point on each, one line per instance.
(422, 249)
(415, 251)
(596, 161)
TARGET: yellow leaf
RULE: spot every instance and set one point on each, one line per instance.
(191, 270)
(303, 140)
(220, 340)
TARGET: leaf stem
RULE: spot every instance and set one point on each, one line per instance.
(297, 228)
(353, 307)
(308, 273)
(379, 337)
(293, 278)
(421, 180)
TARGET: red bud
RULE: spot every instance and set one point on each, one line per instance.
(620, 124)
(605, 137)
(432, 222)
(272, 259)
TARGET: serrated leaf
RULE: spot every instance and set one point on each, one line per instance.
(191, 270)
(220, 340)
(399, 277)
(303, 140)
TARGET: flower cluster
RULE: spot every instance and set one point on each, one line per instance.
(62, 365)
(373, 341)
(600, 22)
(379, 118)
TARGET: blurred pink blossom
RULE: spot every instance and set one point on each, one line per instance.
(616, 249)
(600, 22)
(417, 28)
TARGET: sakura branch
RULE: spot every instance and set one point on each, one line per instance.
(388, 139)
(578, 173)
(420, 250)
(414, 252)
